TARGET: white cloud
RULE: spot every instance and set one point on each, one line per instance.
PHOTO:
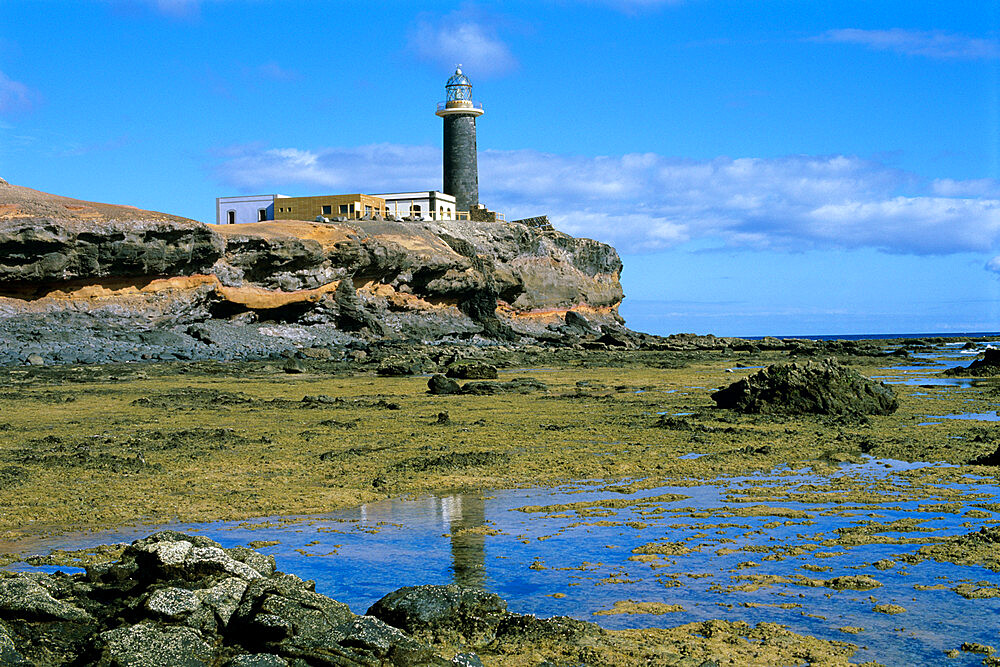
(15, 96)
(465, 37)
(177, 8)
(275, 72)
(993, 264)
(373, 168)
(930, 44)
(645, 202)
(980, 187)
(635, 6)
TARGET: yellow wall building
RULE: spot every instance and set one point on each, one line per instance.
(307, 208)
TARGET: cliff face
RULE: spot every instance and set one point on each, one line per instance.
(374, 278)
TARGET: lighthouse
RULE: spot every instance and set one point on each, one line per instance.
(461, 173)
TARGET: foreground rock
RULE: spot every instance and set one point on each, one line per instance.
(812, 388)
(181, 600)
(175, 599)
(986, 366)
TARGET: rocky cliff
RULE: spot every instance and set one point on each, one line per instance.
(78, 262)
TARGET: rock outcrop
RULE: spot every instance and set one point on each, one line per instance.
(823, 387)
(987, 365)
(183, 600)
(176, 599)
(372, 279)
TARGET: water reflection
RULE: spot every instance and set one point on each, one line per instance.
(468, 545)
(586, 560)
(461, 518)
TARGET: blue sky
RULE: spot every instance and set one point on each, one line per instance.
(763, 166)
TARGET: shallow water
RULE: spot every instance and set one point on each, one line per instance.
(977, 416)
(582, 554)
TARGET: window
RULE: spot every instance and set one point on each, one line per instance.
(231, 217)
(327, 209)
(368, 210)
(261, 214)
(415, 210)
(441, 211)
(343, 209)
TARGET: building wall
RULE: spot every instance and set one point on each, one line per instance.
(433, 205)
(461, 172)
(329, 206)
(246, 208)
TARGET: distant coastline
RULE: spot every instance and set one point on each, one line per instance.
(885, 336)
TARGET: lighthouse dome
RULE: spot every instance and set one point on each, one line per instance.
(459, 88)
(458, 79)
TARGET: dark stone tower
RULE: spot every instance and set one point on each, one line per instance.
(461, 172)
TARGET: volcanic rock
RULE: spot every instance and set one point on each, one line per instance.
(439, 384)
(442, 613)
(121, 271)
(987, 365)
(472, 370)
(823, 387)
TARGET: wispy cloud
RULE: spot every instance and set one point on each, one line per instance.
(646, 202)
(15, 96)
(372, 168)
(77, 149)
(979, 187)
(464, 36)
(274, 72)
(635, 6)
(178, 9)
(929, 44)
(993, 265)
(174, 9)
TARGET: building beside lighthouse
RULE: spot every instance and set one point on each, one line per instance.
(458, 198)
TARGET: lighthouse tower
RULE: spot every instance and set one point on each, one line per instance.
(461, 173)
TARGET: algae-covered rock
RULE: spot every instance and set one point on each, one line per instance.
(823, 387)
(515, 386)
(985, 366)
(472, 370)
(178, 599)
(439, 384)
(442, 612)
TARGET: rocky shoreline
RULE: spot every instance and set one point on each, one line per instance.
(70, 337)
(95, 283)
(183, 600)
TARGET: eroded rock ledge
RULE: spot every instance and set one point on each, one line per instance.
(177, 599)
(373, 279)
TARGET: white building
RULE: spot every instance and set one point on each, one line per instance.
(429, 205)
(246, 208)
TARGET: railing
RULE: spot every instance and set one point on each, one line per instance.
(459, 104)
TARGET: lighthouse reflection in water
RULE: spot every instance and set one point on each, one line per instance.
(461, 519)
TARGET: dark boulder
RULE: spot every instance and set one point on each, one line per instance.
(579, 324)
(518, 629)
(472, 370)
(293, 366)
(992, 459)
(439, 384)
(442, 613)
(151, 645)
(515, 386)
(823, 387)
(401, 365)
(986, 366)
(177, 599)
